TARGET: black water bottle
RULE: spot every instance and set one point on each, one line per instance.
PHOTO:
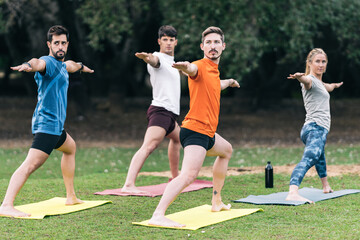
(269, 179)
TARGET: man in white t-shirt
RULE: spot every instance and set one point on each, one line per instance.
(164, 109)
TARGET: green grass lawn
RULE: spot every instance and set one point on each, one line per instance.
(103, 168)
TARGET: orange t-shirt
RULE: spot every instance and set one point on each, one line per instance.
(205, 90)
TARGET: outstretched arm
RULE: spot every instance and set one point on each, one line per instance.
(229, 83)
(72, 67)
(301, 78)
(189, 68)
(34, 65)
(331, 86)
(149, 58)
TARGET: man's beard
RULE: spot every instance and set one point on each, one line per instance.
(57, 56)
(214, 57)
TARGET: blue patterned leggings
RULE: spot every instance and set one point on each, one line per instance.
(314, 138)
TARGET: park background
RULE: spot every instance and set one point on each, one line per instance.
(266, 41)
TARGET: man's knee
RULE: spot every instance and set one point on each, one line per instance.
(73, 146)
(70, 146)
(150, 147)
(189, 176)
(32, 166)
(228, 150)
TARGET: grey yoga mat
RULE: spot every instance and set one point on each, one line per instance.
(312, 194)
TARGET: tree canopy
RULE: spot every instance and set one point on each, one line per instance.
(266, 40)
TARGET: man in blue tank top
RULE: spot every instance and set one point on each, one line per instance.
(52, 78)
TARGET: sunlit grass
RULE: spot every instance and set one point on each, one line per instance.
(98, 169)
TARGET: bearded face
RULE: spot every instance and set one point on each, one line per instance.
(58, 46)
(213, 46)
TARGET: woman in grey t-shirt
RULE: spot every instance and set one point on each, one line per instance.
(317, 122)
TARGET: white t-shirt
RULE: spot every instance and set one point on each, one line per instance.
(317, 103)
(165, 82)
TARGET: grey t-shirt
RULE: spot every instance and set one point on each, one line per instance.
(317, 103)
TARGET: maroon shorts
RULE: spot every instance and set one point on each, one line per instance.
(159, 116)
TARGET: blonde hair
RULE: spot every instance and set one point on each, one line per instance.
(310, 57)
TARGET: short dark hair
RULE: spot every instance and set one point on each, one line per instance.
(167, 30)
(213, 29)
(57, 30)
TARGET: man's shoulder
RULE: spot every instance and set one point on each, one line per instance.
(52, 66)
(49, 60)
(159, 55)
(164, 56)
(201, 63)
(198, 61)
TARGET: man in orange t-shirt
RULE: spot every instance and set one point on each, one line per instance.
(198, 131)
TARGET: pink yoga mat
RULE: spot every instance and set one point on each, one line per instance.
(157, 190)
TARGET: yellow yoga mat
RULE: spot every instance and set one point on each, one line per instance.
(55, 206)
(202, 216)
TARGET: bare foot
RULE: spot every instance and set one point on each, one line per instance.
(164, 222)
(12, 212)
(73, 201)
(328, 190)
(220, 207)
(133, 190)
(326, 185)
(296, 197)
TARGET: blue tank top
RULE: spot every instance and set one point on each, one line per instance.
(50, 112)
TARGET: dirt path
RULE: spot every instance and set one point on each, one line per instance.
(333, 170)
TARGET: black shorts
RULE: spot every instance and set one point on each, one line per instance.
(189, 137)
(159, 116)
(47, 142)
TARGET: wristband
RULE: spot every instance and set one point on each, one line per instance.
(27, 63)
(82, 66)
